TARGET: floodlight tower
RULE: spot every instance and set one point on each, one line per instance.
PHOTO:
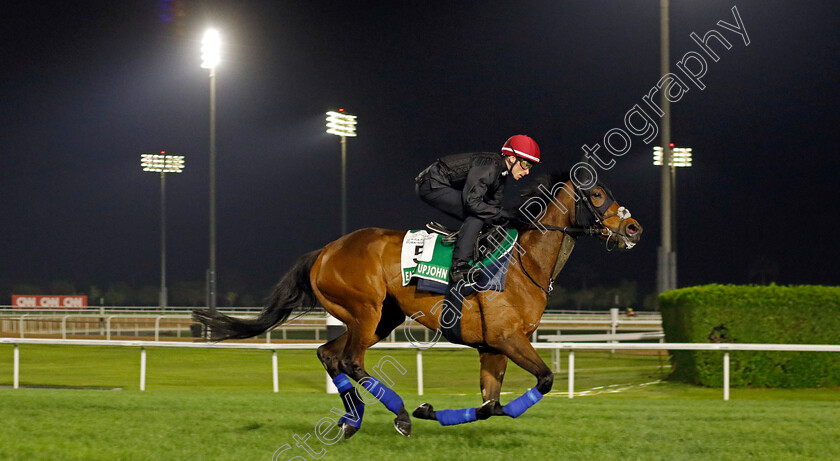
(210, 57)
(162, 163)
(681, 157)
(666, 272)
(344, 125)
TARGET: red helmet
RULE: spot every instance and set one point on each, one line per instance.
(523, 147)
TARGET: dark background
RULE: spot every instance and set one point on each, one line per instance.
(88, 86)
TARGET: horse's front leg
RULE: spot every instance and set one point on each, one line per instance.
(519, 349)
(493, 365)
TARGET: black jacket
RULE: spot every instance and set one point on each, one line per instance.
(480, 176)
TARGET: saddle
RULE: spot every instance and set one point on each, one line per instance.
(447, 235)
(489, 239)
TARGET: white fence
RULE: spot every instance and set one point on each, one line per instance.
(152, 322)
(570, 347)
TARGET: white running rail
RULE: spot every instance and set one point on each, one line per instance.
(570, 347)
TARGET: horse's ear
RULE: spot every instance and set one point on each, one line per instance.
(582, 176)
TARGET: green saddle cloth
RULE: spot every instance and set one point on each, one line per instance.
(425, 256)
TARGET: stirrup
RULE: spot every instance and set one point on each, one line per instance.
(448, 235)
(458, 271)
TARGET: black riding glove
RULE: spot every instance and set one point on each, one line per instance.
(503, 217)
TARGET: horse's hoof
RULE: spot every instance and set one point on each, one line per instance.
(424, 411)
(402, 423)
(348, 430)
(488, 409)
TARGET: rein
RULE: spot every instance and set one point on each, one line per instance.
(574, 233)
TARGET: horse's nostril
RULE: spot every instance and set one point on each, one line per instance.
(632, 229)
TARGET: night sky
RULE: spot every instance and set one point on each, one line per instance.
(89, 86)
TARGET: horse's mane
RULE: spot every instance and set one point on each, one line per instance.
(547, 181)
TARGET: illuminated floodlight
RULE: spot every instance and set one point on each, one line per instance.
(341, 124)
(680, 156)
(162, 163)
(211, 46)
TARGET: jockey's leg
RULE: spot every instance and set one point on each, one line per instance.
(467, 236)
(445, 199)
(463, 253)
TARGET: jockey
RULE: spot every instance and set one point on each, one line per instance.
(469, 187)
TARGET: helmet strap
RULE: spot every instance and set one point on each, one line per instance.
(510, 164)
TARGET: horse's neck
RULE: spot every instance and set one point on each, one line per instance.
(549, 250)
(541, 253)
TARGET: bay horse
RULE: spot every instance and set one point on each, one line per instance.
(358, 280)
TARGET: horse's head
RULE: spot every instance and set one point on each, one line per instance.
(597, 211)
(580, 209)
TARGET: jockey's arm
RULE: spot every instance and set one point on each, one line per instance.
(475, 190)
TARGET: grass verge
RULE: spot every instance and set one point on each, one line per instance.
(209, 405)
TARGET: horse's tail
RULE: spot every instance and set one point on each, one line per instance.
(294, 291)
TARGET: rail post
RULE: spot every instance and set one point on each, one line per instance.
(142, 368)
(108, 327)
(64, 327)
(726, 376)
(16, 366)
(571, 373)
(274, 375)
(419, 372)
(22, 324)
(157, 327)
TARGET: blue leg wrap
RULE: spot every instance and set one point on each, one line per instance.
(342, 383)
(389, 398)
(354, 406)
(453, 417)
(522, 403)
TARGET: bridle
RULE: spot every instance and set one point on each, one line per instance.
(593, 225)
(597, 216)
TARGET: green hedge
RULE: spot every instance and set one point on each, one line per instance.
(754, 314)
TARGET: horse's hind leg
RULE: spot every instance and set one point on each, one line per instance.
(362, 335)
(347, 280)
(330, 355)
